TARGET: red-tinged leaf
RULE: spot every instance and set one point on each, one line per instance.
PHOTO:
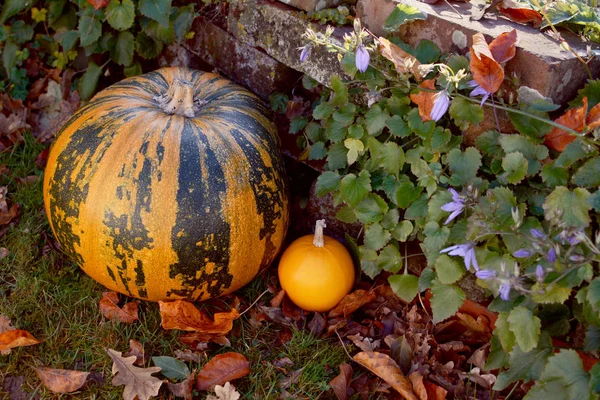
(341, 383)
(42, 158)
(487, 72)
(98, 4)
(352, 302)
(574, 118)
(503, 47)
(221, 369)
(16, 338)
(418, 386)
(518, 12)
(386, 368)
(183, 315)
(435, 392)
(593, 118)
(425, 99)
(110, 309)
(61, 380)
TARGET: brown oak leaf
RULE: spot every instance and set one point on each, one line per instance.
(138, 381)
(574, 118)
(110, 309)
(16, 338)
(341, 383)
(222, 368)
(352, 302)
(225, 392)
(61, 380)
(384, 367)
(183, 315)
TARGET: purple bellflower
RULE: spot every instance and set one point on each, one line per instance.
(440, 105)
(539, 272)
(362, 58)
(522, 253)
(466, 251)
(305, 52)
(455, 207)
(552, 255)
(486, 274)
(536, 233)
(478, 91)
(504, 291)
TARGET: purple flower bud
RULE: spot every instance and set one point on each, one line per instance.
(440, 105)
(505, 291)
(539, 272)
(362, 58)
(537, 233)
(304, 53)
(552, 254)
(486, 274)
(577, 258)
(522, 253)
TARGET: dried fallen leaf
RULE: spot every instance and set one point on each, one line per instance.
(365, 344)
(189, 355)
(16, 338)
(61, 380)
(226, 392)
(317, 324)
(424, 99)
(5, 325)
(403, 61)
(138, 381)
(417, 384)
(384, 367)
(487, 72)
(200, 340)
(574, 118)
(503, 47)
(519, 12)
(341, 383)
(278, 299)
(479, 356)
(137, 349)
(486, 381)
(480, 325)
(291, 379)
(183, 315)
(222, 368)
(352, 302)
(435, 392)
(593, 118)
(110, 309)
(184, 388)
(12, 213)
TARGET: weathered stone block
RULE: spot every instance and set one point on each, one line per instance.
(311, 5)
(278, 30)
(539, 63)
(243, 64)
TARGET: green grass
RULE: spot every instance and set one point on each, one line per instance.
(47, 295)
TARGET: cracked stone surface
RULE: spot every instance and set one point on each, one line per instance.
(311, 5)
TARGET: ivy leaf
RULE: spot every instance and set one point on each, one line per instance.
(12, 7)
(90, 27)
(158, 10)
(376, 118)
(569, 207)
(489, 143)
(376, 237)
(406, 193)
(515, 166)
(528, 126)
(427, 52)
(371, 209)
(354, 188)
(595, 379)
(322, 111)
(123, 53)
(390, 259)
(183, 21)
(355, 148)
(402, 14)
(356, 131)
(171, 367)
(391, 158)
(533, 152)
(349, 64)
(398, 126)
(527, 366)
(593, 295)
(405, 286)
(448, 271)
(390, 219)
(160, 32)
(89, 81)
(147, 47)
(553, 175)
(120, 15)
(592, 338)
(336, 157)
(594, 200)
(317, 151)
(327, 182)
(134, 69)
(340, 90)
(402, 231)
(465, 113)
(497, 357)
(574, 152)
(556, 294)
(464, 166)
(21, 32)
(446, 300)
(297, 124)
(588, 175)
(563, 376)
(525, 326)
(505, 335)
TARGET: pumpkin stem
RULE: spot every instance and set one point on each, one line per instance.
(179, 99)
(318, 239)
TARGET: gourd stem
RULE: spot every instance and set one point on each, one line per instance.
(179, 99)
(318, 238)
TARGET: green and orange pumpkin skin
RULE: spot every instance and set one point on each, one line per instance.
(160, 205)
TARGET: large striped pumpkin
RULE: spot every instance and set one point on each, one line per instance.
(169, 185)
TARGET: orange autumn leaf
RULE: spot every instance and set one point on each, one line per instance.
(61, 380)
(518, 12)
(98, 4)
(183, 315)
(435, 392)
(352, 302)
(110, 309)
(399, 57)
(593, 118)
(503, 47)
(16, 338)
(417, 384)
(221, 369)
(487, 72)
(386, 368)
(425, 99)
(574, 118)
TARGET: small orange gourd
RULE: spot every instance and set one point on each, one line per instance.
(316, 271)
